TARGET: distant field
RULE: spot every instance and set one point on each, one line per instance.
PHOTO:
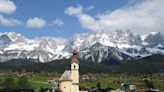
(35, 81)
(87, 81)
(114, 81)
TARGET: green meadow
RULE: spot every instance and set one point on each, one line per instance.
(87, 81)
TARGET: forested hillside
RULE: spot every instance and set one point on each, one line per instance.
(152, 64)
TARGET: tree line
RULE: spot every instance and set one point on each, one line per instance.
(152, 64)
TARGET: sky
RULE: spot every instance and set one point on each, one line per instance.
(65, 18)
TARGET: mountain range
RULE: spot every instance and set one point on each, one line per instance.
(95, 47)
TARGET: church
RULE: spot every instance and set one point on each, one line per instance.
(69, 81)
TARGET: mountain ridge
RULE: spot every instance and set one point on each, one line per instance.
(96, 47)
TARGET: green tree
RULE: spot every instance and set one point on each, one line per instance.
(1, 82)
(9, 83)
(23, 82)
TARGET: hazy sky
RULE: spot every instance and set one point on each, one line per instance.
(64, 18)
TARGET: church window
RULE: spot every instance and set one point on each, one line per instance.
(74, 66)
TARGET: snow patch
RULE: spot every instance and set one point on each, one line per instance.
(123, 46)
(60, 48)
(159, 46)
(107, 43)
(1, 52)
(145, 43)
(155, 50)
(143, 37)
(49, 49)
(153, 33)
(21, 46)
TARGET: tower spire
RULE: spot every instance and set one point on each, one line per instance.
(74, 56)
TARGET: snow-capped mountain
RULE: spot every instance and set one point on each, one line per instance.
(96, 47)
(14, 46)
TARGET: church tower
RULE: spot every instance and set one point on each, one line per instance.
(75, 72)
(69, 81)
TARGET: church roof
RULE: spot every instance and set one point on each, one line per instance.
(66, 76)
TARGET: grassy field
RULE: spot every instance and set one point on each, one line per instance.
(114, 81)
(87, 81)
(35, 81)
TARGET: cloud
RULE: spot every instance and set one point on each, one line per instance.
(139, 17)
(7, 6)
(90, 8)
(58, 22)
(74, 10)
(35, 22)
(9, 22)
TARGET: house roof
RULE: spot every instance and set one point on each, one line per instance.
(66, 76)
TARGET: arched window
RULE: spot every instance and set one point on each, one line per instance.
(74, 66)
